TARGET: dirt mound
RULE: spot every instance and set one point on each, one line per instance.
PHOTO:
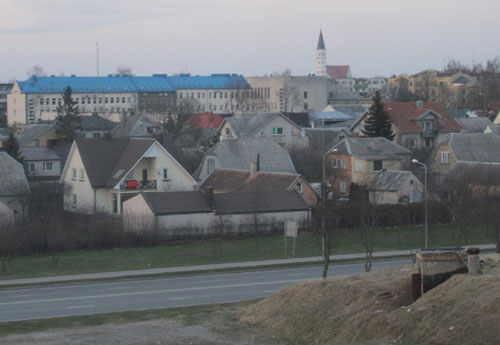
(376, 308)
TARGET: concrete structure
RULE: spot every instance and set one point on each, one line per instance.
(274, 126)
(357, 160)
(287, 93)
(37, 98)
(104, 172)
(196, 214)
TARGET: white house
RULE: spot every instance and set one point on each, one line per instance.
(13, 189)
(103, 173)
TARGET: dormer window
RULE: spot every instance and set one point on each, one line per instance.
(427, 124)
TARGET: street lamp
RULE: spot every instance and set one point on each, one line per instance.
(415, 161)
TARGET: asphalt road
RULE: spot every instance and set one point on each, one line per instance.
(151, 293)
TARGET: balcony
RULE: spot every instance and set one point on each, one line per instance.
(429, 133)
(130, 185)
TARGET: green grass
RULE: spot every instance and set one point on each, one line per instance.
(188, 315)
(235, 250)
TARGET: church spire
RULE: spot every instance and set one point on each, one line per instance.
(321, 43)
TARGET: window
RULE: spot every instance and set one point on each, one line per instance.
(358, 165)
(123, 99)
(445, 157)
(30, 168)
(277, 130)
(305, 94)
(165, 174)
(427, 125)
(106, 100)
(343, 187)
(210, 166)
(41, 101)
(299, 187)
(36, 142)
(112, 100)
(73, 203)
(96, 135)
(83, 100)
(377, 165)
(335, 163)
(48, 166)
(82, 174)
(343, 164)
(428, 143)
(73, 175)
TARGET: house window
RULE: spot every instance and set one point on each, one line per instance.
(73, 176)
(165, 174)
(82, 174)
(343, 164)
(343, 187)
(305, 94)
(445, 157)
(73, 201)
(299, 187)
(377, 165)
(358, 165)
(427, 125)
(30, 168)
(428, 143)
(210, 166)
(36, 142)
(335, 163)
(277, 130)
(48, 166)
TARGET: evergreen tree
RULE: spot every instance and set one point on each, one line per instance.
(68, 117)
(11, 146)
(378, 122)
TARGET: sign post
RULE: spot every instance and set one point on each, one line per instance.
(291, 230)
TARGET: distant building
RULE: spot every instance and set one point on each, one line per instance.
(5, 89)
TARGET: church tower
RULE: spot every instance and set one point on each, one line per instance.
(321, 57)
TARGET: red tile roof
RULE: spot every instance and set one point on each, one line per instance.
(205, 120)
(338, 72)
(405, 114)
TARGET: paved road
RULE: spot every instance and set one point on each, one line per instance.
(151, 293)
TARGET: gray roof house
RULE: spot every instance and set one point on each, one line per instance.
(240, 154)
(95, 126)
(275, 126)
(395, 187)
(13, 189)
(199, 213)
(44, 163)
(138, 126)
(37, 135)
(473, 124)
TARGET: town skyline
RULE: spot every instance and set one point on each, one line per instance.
(249, 38)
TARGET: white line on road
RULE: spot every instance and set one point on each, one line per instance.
(180, 298)
(153, 292)
(81, 306)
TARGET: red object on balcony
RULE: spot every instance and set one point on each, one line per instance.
(132, 184)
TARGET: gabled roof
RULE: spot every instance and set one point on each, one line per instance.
(249, 124)
(474, 147)
(391, 180)
(205, 120)
(240, 153)
(138, 126)
(404, 115)
(12, 177)
(106, 161)
(96, 123)
(228, 180)
(39, 153)
(32, 132)
(494, 128)
(370, 149)
(177, 202)
(471, 172)
(338, 72)
(474, 124)
(330, 136)
(321, 43)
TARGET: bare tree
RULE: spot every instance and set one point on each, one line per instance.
(222, 227)
(36, 70)
(124, 70)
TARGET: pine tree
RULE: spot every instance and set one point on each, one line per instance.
(378, 122)
(11, 146)
(68, 117)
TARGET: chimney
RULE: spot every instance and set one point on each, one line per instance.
(208, 194)
(420, 104)
(258, 161)
(253, 168)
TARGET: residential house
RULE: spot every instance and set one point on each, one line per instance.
(14, 189)
(395, 187)
(322, 139)
(95, 126)
(329, 116)
(356, 160)
(205, 120)
(477, 175)
(44, 163)
(274, 126)
(198, 213)
(492, 128)
(102, 173)
(37, 135)
(459, 147)
(473, 124)
(240, 154)
(138, 126)
(417, 125)
(232, 181)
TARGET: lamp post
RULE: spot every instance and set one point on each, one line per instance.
(415, 161)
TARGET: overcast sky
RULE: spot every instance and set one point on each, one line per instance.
(251, 37)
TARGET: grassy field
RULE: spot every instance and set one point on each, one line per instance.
(235, 250)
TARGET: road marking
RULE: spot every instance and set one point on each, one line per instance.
(27, 295)
(270, 291)
(180, 298)
(154, 292)
(81, 306)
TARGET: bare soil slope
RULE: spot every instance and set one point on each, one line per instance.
(375, 308)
